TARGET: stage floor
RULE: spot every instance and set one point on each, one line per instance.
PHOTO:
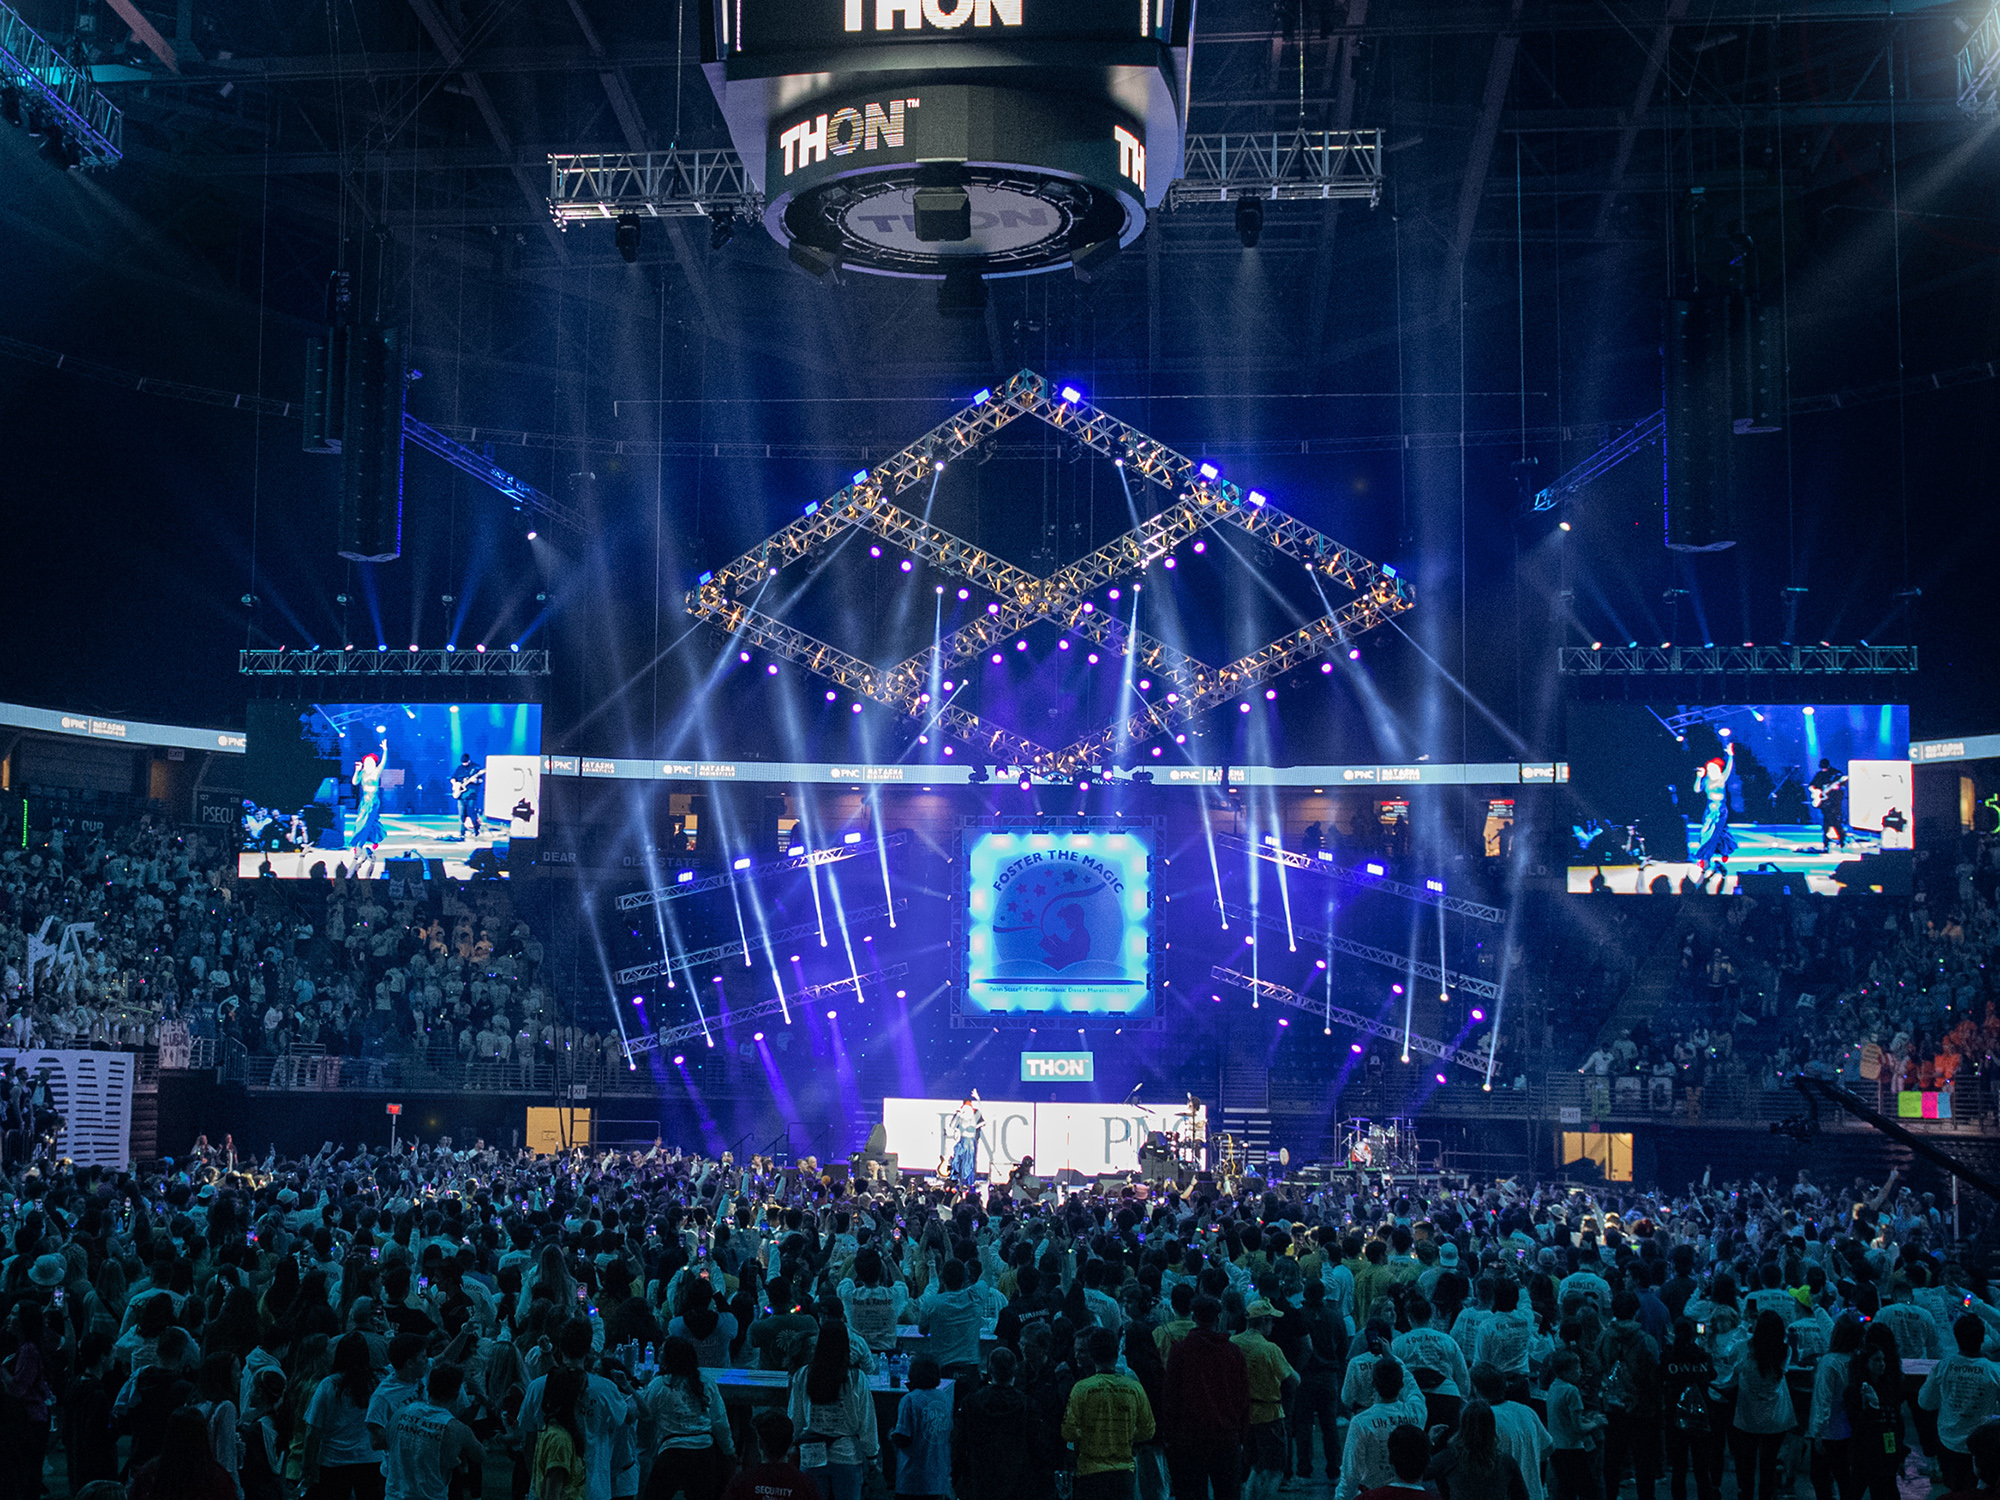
(405, 836)
(1792, 848)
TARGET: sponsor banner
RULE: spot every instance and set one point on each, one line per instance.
(1086, 1138)
(132, 731)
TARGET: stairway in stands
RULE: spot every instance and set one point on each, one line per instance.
(1245, 1111)
(1654, 981)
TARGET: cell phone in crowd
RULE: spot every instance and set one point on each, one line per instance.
(581, 1293)
(423, 1283)
(250, 1238)
(57, 1297)
(374, 1252)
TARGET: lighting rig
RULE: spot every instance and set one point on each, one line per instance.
(758, 1012)
(687, 885)
(52, 97)
(1264, 989)
(681, 962)
(1402, 963)
(1202, 500)
(1369, 878)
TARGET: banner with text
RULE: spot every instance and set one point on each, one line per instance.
(1086, 1138)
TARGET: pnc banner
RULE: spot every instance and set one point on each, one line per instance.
(1086, 1138)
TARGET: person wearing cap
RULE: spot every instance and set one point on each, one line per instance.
(1272, 1384)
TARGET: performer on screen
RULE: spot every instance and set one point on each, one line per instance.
(1829, 795)
(465, 791)
(368, 816)
(966, 1121)
(1712, 782)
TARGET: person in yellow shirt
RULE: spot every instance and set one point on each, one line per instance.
(1180, 1324)
(1272, 1382)
(1108, 1415)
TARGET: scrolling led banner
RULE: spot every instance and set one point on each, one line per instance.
(1058, 923)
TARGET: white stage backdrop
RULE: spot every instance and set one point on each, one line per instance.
(1087, 1138)
(93, 1092)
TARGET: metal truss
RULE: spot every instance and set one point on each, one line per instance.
(1402, 963)
(1734, 661)
(1979, 68)
(524, 495)
(1264, 989)
(1604, 460)
(1281, 165)
(657, 184)
(1321, 864)
(661, 895)
(763, 1010)
(640, 973)
(430, 663)
(34, 65)
(1714, 713)
(726, 597)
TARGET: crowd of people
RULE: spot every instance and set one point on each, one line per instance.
(431, 1324)
(1883, 994)
(114, 938)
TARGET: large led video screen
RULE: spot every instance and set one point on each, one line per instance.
(364, 789)
(1058, 923)
(1729, 798)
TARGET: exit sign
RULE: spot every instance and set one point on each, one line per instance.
(1058, 1067)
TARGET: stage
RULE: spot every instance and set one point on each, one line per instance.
(406, 836)
(1792, 849)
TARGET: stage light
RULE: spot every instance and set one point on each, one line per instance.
(741, 864)
(1243, 708)
(1479, 1015)
(1440, 1078)
(680, 1058)
(856, 708)
(947, 685)
(1326, 666)
(531, 536)
(1062, 645)
(906, 565)
(1562, 526)
(831, 695)
(1020, 645)
(1808, 710)
(874, 551)
(413, 645)
(850, 838)
(1071, 394)
(1373, 869)
(1354, 653)
(860, 477)
(743, 656)
(996, 658)
(1434, 885)
(1089, 609)
(1092, 658)
(1270, 695)
(1145, 684)
(626, 238)
(1180, 739)
(770, 670)
(1208, 471)
(1354, 1046)
(1156, 751)
(1173, 697)
(831, 1014)
(1114, 593)
(1395, 989)
(980, 398)
(1249, 222)
(1597, 645)
(685, 877)
(965, 593)
(1254, 498)
(1200, 546)
(1024, 782)
(1170, 562)
(1283, 1022)
(947, 751)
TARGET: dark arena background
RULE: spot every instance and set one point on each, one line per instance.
(1311, 590)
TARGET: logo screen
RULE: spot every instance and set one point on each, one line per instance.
(1059, 923)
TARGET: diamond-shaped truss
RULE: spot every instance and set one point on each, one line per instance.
(1201, 501)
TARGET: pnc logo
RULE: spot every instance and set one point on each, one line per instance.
(915, 15)
(844, 132)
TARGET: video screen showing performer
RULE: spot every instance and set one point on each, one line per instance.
(1718, 799)
(333, 788)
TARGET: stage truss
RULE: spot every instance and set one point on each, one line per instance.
(780, 1006)
(1187, 688)
(1264, 989)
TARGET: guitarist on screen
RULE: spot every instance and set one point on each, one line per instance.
(1826, 789)
(465, 792)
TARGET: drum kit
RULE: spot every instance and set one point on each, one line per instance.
(1374, 1147)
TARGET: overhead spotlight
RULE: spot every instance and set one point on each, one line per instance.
(1024, 782)
(721, 228)
(626, 238)
(531, 536)
(1562, 526)
(1249, 221)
